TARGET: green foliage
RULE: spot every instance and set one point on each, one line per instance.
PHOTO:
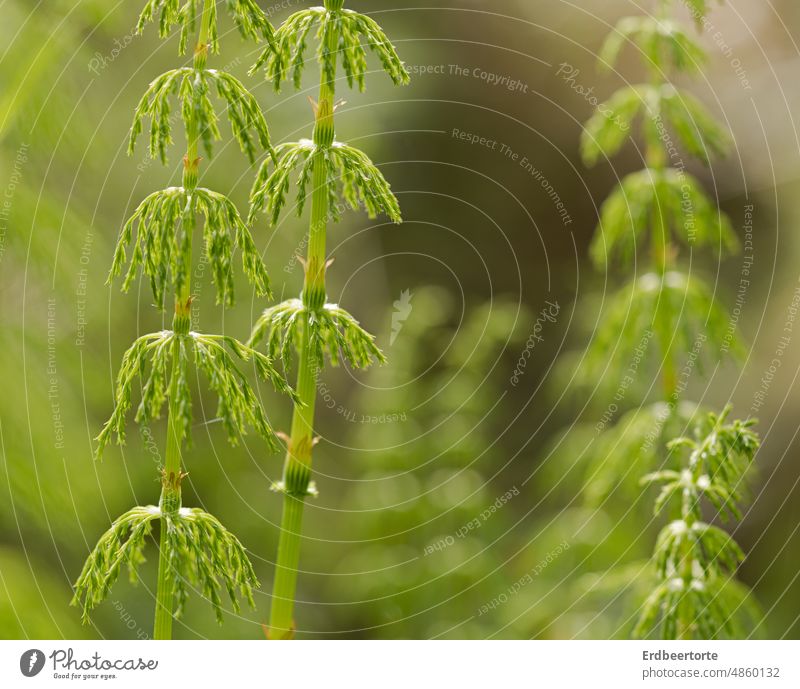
(679, 305)
(699, 9)
(718, 458)
(201, 553)
(194, 87)
(701, 135)
(332, 332)
(704, 606)
(663, 106)
(342, 35)
(651, 197)
(122, 544)
(608, 129)
(662, 41)
(238, 404)
(167, 354)
(204, 552)
(693, 559)
(721, 450)
(159, 348)
(658, 202)
(349, 173)
(711, 547)
(619, 455)
(163, 224)
(247, 15)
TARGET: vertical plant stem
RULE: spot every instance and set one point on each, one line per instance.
(661, 255)
(170, 503)
(172, 475)
(685, 622)
(690, 514)
(661, 242)
(690, 506)
(297, 466)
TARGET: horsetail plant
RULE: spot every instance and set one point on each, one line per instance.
(327, 170)
(696, 595)
(669, 311)
(670, 314)
(195, 548)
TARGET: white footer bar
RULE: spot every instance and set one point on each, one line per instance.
(401, 664)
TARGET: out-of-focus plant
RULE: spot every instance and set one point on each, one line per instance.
(195, 549)
(667, 319)
(441, 507)
(326, 169)
(667, 312)
(425, 516)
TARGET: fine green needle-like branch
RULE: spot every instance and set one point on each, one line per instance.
(660, 40)
(122, 545)
(204, 555)
(685, 211)
(162, 246)
(676, 303)
(216, 356)
(239, 406)
(249, 18)
(342, 36)
(349, 174)
(194, 88)
(332, 332)
(707, 603)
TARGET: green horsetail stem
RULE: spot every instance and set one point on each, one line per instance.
(195, 548)
(170, 502)
(310, 325)
(297, 466)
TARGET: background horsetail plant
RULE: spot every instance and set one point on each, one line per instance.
(660, 208)
(309, 325)
(195, 549)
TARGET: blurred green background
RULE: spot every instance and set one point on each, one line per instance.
(404, 541)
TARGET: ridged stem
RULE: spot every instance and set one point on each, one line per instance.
(686, 573)
(662, 251)
(169, 504)
(661, 255)
(172, 475)
(690, 514)
(661, 244)
(297, 464)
